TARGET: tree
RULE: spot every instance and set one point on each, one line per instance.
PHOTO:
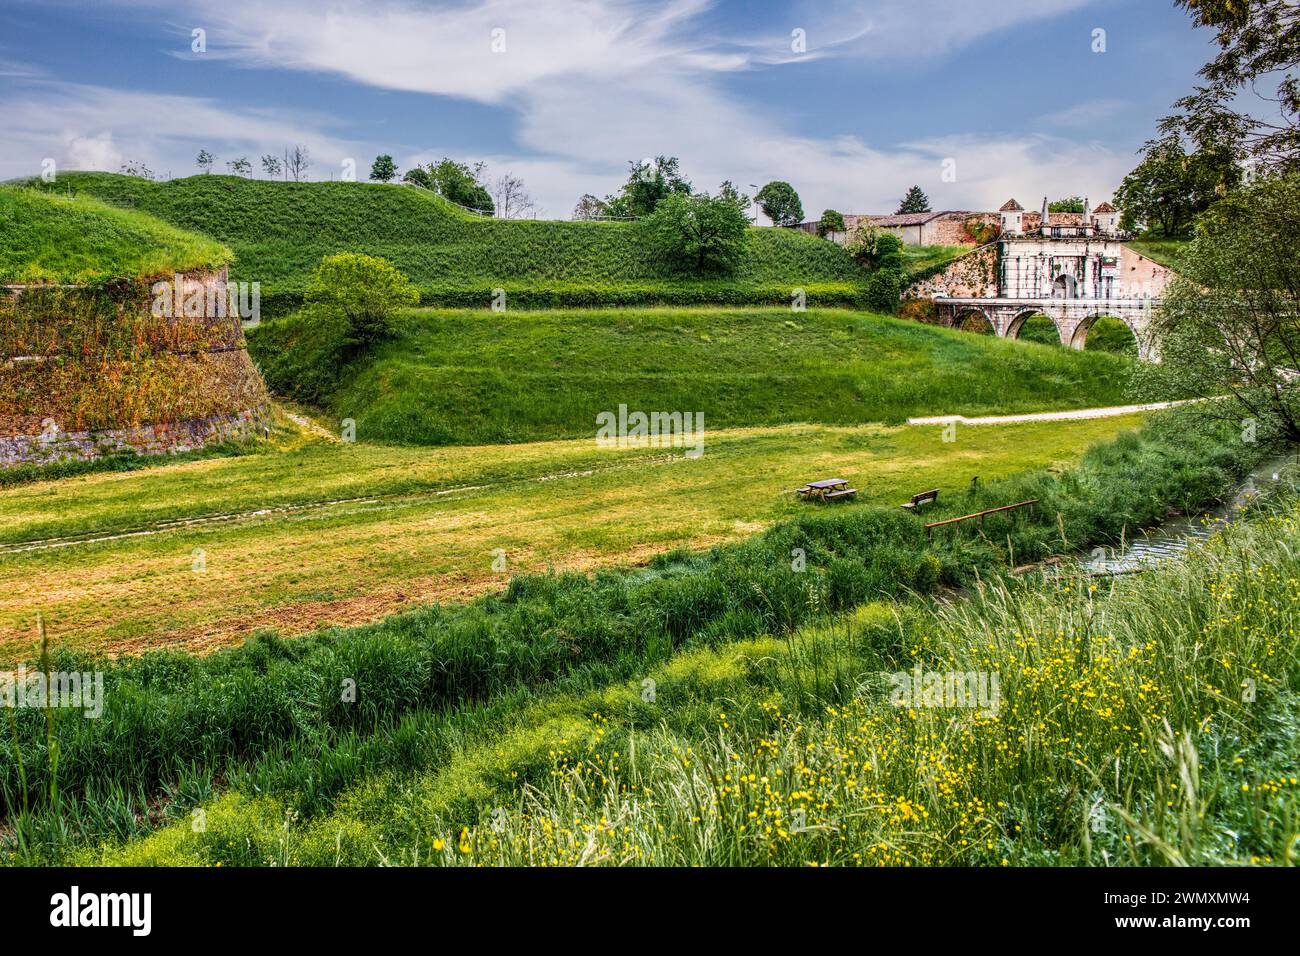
(588, 207)
(888, 254)
(134, 167)
(460, 184)
(1168, 188)
(367, 290)
(418, 175)
(648, 184)
(697, 233)
(1259, 48)
(1068, 204)
(1227, 328)
(271, 165)
(205, 160)
(879, 251)
(831, 221)
(780, 203)
(383, 169)
(240, 166)
(296, 162)
(512, 200)
(729, 192)
(914, 201)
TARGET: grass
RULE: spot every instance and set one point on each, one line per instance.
(48, 238)
(917, 259)
(581, 718)
(567, 505)
(1106, 335)
(1167, 252)
(280, 231)
(456, 377)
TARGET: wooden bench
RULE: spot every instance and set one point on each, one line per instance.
(924, 498)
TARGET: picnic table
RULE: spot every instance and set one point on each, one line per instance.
(828, 489)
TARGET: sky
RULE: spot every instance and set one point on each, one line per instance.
(975, 101)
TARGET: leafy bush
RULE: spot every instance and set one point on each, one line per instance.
(831, 221)
(883, 291)
(367, 290)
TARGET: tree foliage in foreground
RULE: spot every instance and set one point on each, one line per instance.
(1228, 330)
(1259, 49)
(1170, 187)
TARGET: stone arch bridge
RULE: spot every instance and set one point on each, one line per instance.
(1072, 317)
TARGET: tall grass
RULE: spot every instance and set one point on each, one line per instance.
(1124, 735)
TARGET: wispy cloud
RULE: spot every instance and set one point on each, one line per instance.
(84, 126)
(588, 85)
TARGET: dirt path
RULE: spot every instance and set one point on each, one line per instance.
(1077, 413)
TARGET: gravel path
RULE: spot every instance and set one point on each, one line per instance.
(1046, 416)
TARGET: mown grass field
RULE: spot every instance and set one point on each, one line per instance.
(279, 232)
(458, 377)
(567, 505)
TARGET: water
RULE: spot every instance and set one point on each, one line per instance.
(1178, 534)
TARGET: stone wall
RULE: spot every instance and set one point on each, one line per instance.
(162, 438)
(129, 366)
(972, 275)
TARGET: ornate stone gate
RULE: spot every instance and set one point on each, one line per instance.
(1072, 317)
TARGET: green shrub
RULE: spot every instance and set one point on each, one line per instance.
(699, 234)
(883, 291)
(367, 290)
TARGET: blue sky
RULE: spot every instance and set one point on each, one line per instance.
(1007, 95)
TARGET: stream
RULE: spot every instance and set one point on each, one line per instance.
(1176, 535)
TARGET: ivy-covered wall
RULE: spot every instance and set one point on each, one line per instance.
(78, 365)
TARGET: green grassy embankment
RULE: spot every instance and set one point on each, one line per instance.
(457, 377)
(280, 231)
(54, 239)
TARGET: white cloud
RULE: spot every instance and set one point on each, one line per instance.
(591, 84)
(1090, 113)
(93, 127)
(93, 152)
